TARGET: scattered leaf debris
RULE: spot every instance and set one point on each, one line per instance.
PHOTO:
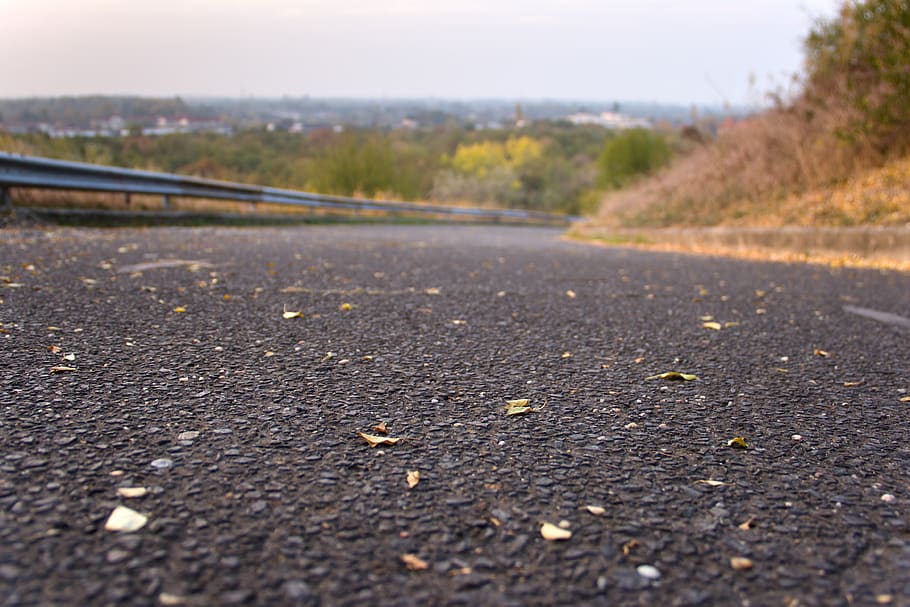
(125, 519)
(571, 294)
(375, 441)
(346, 307)
(711, 483)
(629, 546)
(552, 532)
(414, 562)
(131, 492)
(179, 309)
(713, 325)
(63, 369)
(288, 314)
(674, 376)
(747, 524)
(520, 406)
(381, 428)
(821, 353)
(741, 563)
(738, 443)
(596, 510)
(413, 478)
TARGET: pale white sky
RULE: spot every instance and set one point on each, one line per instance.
(695, 51)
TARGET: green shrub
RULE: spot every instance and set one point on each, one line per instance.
(633, 153)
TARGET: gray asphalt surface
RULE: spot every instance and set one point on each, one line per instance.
(243, 425)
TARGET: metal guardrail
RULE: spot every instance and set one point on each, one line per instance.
(18, 171)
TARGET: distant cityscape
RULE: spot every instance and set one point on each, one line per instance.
(123, 116)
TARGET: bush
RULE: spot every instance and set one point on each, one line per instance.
(633, 153)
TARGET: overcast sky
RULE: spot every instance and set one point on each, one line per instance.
(691, 51)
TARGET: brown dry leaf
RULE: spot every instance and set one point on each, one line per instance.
(629, 546)
(62, 369)
(131, 492)
(853, 384)
(54, 349)
(552, 532)
(674, 376)
(711, 483)
(596, 510)
(905, 399)
(375, 441)
(414, 562)
(381, 428)
(125, 519)
(741, 563)
(748, 524)
(713, 325)
(821, 353)
(413, 478)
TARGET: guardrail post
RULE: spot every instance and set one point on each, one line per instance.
(166, 202)
(126, 199)
(6, 201)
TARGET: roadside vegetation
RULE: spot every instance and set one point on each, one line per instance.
(834, 153)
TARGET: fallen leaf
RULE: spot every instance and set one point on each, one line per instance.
(674, 376)
(821, 353)
(346, 307)
(268, 354)
(179, 309)
(70, 357)
(432, 291)
(746, 525)
(125, 519)
(630, 426)
(375, 441)
(520, 402)
(629, 546)
(381, 428)
(711, 483)
(706, 317)
(566, 354)
(459, 321)
(730, 324)
(413, 478)
(519, 410)
(130, 492)
(414, 562)
(571, 294)
(716, 326)
(884, 599)
(62, 369)
(552, 532)
(905, 399)
(737, 443)
(741, 563)
(288, 314)
(54, 349)
(171, 600)
(596, 510)
(853, 384)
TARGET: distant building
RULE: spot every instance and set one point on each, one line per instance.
(610, 120)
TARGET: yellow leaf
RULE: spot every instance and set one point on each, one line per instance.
(130, 492)
(596, 510)
(551, 532)
(737, 443)
(375, 441)
(905, 399)
(125, 519)
(268, 354)
(674, 375)
(433, 291)
(729, 324)
(711, 483)
(519, 410)
(716, 326)
(287, 314)
(521, 402)
(346, 307)
(741, 563)
(413, 478)
(821, 353)
(179, 309)
(706, 317)
(62, 369)
(566, 355)
(414, 562)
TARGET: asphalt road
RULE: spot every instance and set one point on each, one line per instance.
(242, 425)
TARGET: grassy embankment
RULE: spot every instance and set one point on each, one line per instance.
(836, 155)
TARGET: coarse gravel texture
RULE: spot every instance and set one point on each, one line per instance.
(277, 501)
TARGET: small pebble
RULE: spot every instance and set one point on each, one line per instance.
(888, 498)
(797, 437)
(649, 572)
(162, 463)
(188, 435)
